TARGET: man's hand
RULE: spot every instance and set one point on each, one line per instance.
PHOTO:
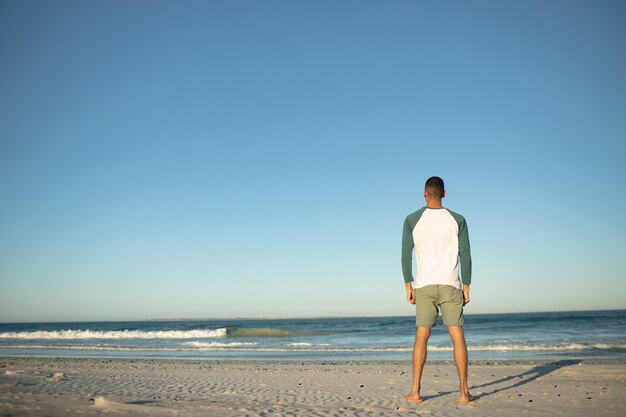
(466, 298)
(410, 294)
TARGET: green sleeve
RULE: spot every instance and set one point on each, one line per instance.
(464, 249)
(407, 243)
(407, 251)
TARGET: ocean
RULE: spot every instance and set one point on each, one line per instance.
(524, 336)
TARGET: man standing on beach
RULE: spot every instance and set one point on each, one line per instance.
(444, 273)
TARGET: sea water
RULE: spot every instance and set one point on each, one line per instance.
(562, 335)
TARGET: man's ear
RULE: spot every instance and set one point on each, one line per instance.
(425, 194)
(444, 194)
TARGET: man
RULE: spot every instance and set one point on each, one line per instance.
(444, 273)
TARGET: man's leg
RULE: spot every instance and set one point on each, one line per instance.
(419, 358)
(460, 358)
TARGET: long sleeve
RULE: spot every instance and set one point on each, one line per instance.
(465, 253)
(407, 251)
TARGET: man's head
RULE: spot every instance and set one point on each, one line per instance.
(434, 189)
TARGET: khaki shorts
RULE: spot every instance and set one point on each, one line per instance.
(445, 297)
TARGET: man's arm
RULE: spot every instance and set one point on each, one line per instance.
(465, 254)
(466, 260)
(407, 260)
(407, 252)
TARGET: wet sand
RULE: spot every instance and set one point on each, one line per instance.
(150, 387)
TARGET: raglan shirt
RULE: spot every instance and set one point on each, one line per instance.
(442, 250)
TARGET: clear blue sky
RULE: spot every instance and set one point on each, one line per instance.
(163, 159)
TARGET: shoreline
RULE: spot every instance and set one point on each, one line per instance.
(281, 362)
(59, 386)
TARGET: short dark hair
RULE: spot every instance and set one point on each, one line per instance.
(434, 187)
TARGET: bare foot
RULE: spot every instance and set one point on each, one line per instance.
(413, 397)
(466, 398)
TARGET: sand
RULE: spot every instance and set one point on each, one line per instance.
(149, 387)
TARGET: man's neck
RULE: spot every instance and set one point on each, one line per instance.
(434, 204)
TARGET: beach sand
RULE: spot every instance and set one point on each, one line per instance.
(149, 387)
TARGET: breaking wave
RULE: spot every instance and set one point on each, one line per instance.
(115, 334)
(252, 332)
(218, 344)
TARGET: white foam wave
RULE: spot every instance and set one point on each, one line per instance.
(540, 347)
(533, 348)
(116, 334)
(307, 344)
(218, 344)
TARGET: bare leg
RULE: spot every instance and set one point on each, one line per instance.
(419, 358)
(460, 358)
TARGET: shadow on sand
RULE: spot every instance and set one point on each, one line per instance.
(523, 378)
